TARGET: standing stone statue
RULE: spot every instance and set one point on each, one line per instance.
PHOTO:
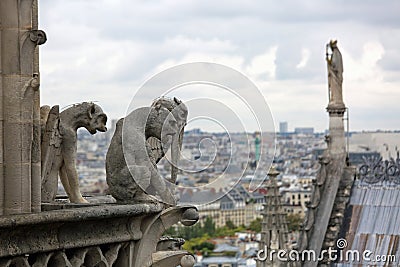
(335, 74)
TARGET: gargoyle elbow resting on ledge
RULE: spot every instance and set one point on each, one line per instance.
(59, 145)
(139, 142)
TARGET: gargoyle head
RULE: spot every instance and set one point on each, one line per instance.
(176, 107)
(161, 124)
(97, 119)
(180, 112)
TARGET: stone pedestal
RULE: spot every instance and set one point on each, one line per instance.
(337, 142)
(328, 199)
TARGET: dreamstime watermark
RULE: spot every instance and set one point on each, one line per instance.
(333, 255)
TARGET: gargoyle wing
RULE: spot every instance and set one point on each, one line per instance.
(156, 148)
(51, 155)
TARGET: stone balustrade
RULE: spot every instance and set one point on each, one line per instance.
(93, 235)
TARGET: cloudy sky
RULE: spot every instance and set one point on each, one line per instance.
(105, 50)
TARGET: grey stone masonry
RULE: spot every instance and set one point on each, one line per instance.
(332, 186)
(93, 235)
(19, 107)
(274, 231)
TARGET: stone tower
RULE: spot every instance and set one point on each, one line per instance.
(58, 234)
(19, 107)
(274, 229)
(334, 179)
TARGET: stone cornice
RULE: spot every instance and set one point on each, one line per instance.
(81, 213)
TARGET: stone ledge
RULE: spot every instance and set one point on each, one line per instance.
(87, 212)
(114, 232)
(336, 110)
(73, 228)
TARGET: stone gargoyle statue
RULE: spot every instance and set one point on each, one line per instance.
(140, 140)
(59, 145)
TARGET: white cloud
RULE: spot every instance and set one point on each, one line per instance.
(233, 61)
(264, 64)
(364, 69)
(305, 56)
(213, 45)
(105, 50)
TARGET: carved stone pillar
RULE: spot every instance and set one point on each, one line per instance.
(337, 144)
(321, 226)
(19, 108)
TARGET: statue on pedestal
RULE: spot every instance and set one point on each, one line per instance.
(335, 74)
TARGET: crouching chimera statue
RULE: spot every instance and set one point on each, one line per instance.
(59, 145)
(139, 142)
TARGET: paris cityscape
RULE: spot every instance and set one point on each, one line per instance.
(174, 133)
(296, 159)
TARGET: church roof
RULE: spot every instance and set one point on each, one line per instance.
(373, 218)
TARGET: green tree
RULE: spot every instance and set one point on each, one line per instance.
(255, 225)
(190, 232)
(170, 231)
(209, 226)
(294, 222)
(193, 244)
(204, 246)
(230, 224)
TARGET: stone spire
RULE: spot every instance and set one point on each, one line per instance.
(274, 229)
(330, 196)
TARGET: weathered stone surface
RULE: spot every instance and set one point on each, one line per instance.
(72, 228)
(60, 146)
(51, 152)
(180, 113)
(19, 75)
(132, 173)
(274, 231)
(188, 261)
(324, 217)
(103, 235)
(154, 230)
(170, 243)
(338, 210)
(335, 75)
(172, 258)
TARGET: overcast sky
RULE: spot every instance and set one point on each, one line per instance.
(105, 50)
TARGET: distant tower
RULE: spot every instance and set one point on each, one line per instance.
(257, 143)
(283, 127)
(274, 230)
